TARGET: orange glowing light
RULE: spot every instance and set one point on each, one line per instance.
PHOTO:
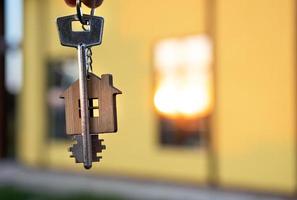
(184, 77)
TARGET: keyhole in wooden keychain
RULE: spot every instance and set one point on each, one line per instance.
(93, 108)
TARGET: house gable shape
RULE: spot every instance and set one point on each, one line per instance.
(95, 78)
(98, 88)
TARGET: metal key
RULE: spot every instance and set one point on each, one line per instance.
(89, 38)
(82, 40)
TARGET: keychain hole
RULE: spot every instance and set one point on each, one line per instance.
(95, 102)
(93, 108)
(76, 26)
(95, 113)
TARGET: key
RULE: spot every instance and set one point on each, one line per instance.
(82, 40)
(86, 137)
(89, 38)
(88, 113)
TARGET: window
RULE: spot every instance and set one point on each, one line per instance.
(61, 73)
(183, 92)
(93, 107)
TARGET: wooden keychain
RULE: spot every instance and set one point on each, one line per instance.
(90, 102)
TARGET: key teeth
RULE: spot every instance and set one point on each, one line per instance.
(97, 159)
(97, 147)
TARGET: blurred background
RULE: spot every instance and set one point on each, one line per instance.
(208, 109)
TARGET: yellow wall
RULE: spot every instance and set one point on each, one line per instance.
(32, 101)
(256, 93)
(254, 119)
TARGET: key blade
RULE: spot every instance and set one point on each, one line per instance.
(83, 93)
(71, 38)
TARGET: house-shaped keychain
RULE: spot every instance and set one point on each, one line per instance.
(102, 105)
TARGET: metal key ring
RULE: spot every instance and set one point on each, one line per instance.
(92, 13)
(80, 13)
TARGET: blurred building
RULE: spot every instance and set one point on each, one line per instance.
(209, 91)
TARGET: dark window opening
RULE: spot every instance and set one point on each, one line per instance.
(93, 108)
(61, 74)
(183, 132)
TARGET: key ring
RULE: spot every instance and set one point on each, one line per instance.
(80, 13)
